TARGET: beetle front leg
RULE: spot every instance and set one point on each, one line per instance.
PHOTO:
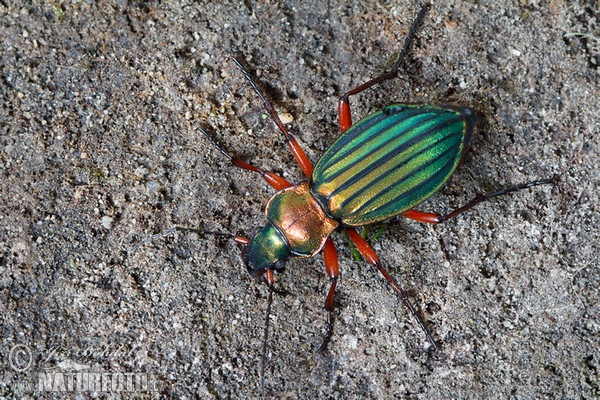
(333, 271)
(435, 218)
(371, 257)
(274, 180)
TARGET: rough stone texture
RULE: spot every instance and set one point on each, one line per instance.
(99, 148)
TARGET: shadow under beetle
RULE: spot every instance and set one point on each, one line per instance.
(380, 167)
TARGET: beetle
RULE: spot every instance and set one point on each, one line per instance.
(378, 168)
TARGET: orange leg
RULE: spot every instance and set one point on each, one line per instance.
(333, 271)
(434, 218)
(295, 148)
(274, 180)
(371, 257)
(344, 115)
(269, 277)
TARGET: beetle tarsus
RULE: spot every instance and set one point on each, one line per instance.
(371, 257)
(404, 297)
(344, 114)
(274, 180)
(293, 145)
(328, 334)
(411, 34)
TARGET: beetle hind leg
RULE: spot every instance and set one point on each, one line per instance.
(344, 114)
(435, 218)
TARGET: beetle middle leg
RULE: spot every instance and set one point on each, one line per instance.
(332, 266)
(293, 145)
(371, 257)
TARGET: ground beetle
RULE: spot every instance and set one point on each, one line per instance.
(380, 167)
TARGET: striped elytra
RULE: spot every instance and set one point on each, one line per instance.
(391, 161)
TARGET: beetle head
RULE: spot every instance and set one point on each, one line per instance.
(267, 250)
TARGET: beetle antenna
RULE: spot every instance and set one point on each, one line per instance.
(237, 239)
(263, 359)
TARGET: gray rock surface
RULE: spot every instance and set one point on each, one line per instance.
(99, 149)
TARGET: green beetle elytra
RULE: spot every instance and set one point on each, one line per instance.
(391, 161)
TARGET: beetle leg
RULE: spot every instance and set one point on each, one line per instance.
(274, 180)
(369, 254)
(333, 271)
(344, 115)
(434, 218)
(295, 148)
